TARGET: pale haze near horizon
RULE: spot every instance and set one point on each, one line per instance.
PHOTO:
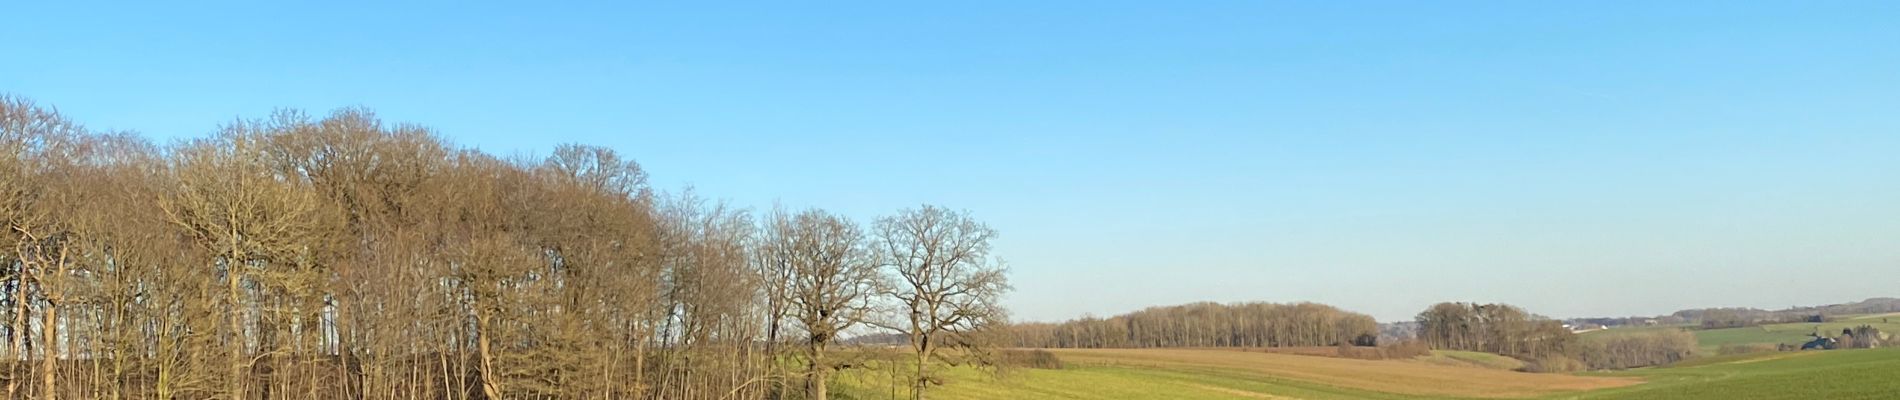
(1600, 159)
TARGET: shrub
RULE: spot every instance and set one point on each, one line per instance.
(1746, 348)
(1033, 358)
(1347, 350)
(1549, 363)
(1405, 349)
(1863, 337)
(1397, 350)
(1640, 350)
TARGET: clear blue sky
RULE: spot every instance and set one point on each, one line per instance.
(1589, 158)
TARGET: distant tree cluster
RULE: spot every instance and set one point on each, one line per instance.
(1718, 318)
(1640, 349)
(1497, 328)
(1207, 325)
(1863, 337)
(342, 257)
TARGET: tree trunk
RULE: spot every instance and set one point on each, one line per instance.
(815, 375)
(235, 296)
(489, 385)
(342, 347)
(771, 356)
(19, 330)
(640, 367)
(920, 340)
(119, 350)
(442, 357)
(923, 363)
(818, 389)
(50, 364)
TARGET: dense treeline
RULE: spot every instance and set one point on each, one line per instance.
(1639, 349)
(1497, 328)
(1207, 325)
(1718, 318)
(1545, 345)
(341, 257)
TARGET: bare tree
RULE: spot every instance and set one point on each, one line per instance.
(1206, 324)
(831, 286)
(37, 176)
(1497, 328)
(710, 295)
(773, 260)
(305, 257)
(950, 285)
(252, 220)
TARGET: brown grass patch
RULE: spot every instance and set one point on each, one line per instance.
(1238, 392)
(1787, 354)
(1390, 376)
(1315, 351)
(1030, 358)
(1395, 351)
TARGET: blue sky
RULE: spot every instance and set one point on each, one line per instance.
(1579, 159)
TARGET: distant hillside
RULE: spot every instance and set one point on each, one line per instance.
(1739, 317)
(1877, 305)
(1730, 317)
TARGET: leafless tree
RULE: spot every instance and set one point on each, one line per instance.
(949, 284)
(1497, 328)
(338, 256)
(831, 285)
(1206, 324)
(254, 221)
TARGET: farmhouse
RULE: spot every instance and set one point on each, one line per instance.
(1821, 343)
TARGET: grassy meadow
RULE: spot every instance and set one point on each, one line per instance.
(1711, 340)
(1837, 374)
(1234, 374)
(1795, 333)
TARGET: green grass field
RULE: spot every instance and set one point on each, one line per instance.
(1711, 340)
(1838, 374)
(1795, 333)
(1211, 374)
(1877, 317)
